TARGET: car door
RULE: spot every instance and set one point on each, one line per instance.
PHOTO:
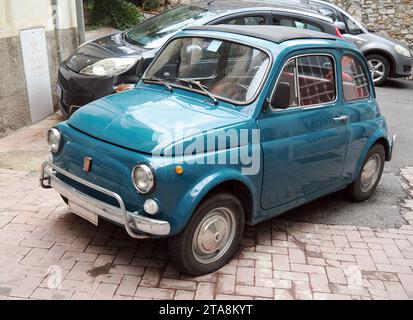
(303, 144)
(360, 107)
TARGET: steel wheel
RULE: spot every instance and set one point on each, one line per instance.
(211, 237)
(370, 173)
(214, 235)
(369, 176)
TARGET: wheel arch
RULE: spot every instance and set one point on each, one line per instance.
(238, 189)
(385, 54)
(378, 138)
(239, 185)
(385, 143)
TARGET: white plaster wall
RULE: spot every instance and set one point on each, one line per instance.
(23, 14)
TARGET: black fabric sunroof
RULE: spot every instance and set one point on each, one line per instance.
(275, 34)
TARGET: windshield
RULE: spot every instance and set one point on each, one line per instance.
(154, 32)
(227, 70)
(353, 27)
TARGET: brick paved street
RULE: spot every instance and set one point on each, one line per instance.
(46, 252)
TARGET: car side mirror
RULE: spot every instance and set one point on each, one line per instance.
(281, 97)
(139, 68)
(341, 26)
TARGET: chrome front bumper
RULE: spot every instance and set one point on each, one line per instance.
(87, 206)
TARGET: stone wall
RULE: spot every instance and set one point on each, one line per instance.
(391, 17)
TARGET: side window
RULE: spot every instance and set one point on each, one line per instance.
(352, 26)
(244, 21)
(295, 23)
(325, 11)
(316, 78)
(355, 79)
(312, 80)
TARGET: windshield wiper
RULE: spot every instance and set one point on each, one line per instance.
(159, 80)
(200, 86)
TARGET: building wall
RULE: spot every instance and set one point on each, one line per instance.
(391, 17)
(58, 17)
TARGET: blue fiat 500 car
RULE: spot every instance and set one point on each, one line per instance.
(229, 125)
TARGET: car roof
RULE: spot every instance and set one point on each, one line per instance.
(274, 34)
(247, 5)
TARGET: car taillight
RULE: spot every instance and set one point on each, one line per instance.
(338, 34)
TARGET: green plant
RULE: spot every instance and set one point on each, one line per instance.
(151, 5)
(120, 14)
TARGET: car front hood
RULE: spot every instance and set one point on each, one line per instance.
(103, 48)
(150, 120)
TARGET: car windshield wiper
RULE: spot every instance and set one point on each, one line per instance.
(200, 86)
(159, 80)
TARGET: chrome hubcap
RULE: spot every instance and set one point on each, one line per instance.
(214, 235)
(370, 173)
(377, 69)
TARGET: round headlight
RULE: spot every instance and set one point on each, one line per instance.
(143, 178)
(54, 139)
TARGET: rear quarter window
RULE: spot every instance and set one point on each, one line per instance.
(355, 80)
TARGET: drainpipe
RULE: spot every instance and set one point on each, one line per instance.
(80, 21)
(56, 22)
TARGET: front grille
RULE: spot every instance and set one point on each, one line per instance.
(407, 69)
(62, 81)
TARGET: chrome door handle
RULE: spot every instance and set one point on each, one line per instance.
(341, 119)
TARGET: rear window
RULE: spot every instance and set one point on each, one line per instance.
(355, 80)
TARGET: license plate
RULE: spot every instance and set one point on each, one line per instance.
(84, 213)
(59, 92)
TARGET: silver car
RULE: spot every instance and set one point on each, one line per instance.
(387, 58)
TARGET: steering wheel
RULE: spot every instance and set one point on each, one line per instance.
(240, 91)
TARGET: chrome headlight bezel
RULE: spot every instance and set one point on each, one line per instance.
(149, 172)
(109, 67)
(403, 51)
(56, 145)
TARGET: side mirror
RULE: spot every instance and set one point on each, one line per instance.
(341, 26)
(139, 68)
(281, 97)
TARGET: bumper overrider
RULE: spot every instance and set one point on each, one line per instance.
(392, 142)
(89, 208)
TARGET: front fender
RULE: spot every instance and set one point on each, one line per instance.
(193, 197)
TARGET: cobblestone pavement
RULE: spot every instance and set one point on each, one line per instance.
(46, 252)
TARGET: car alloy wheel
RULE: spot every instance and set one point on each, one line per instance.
(214, 235)
(377, 69)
